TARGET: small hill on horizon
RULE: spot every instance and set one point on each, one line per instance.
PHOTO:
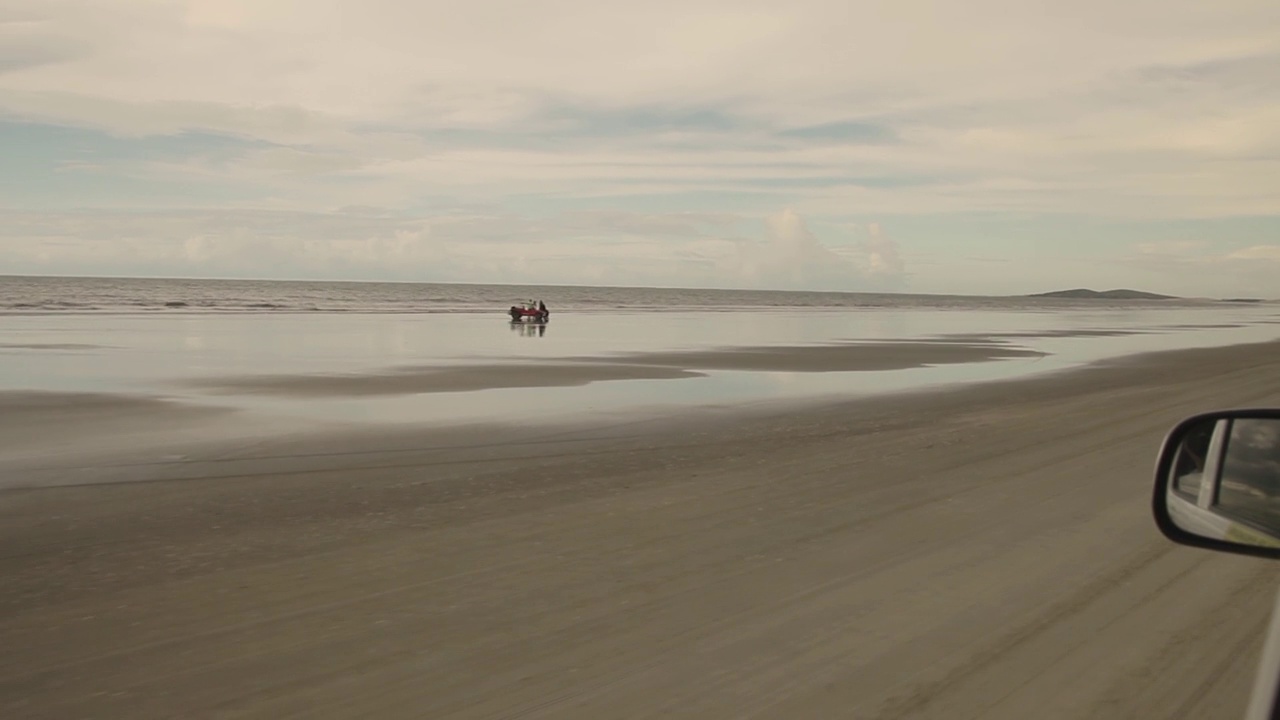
(1085, 294)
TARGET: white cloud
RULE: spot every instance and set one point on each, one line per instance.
(1144, 110)
(433, 63)
(791, 257)
(1257, 252)
(606, 247)
(883, 258)
(357, 58)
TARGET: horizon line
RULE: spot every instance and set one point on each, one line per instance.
(349, 281)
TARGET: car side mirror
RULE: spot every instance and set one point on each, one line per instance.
(1218, 482)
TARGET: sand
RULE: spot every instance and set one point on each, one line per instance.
(980, 553)
(40, 426)
(438, 380)
(843, 357)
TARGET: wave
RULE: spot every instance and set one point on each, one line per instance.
(23, 295)
(184, 307)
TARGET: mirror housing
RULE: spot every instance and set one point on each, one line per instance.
(1217, 483)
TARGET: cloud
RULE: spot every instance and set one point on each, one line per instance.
(1173, 248)
(577, 248)
(686, 96)
(386, 57)
(791, 257)
(848, 131)
(1201, 252)
(883, 258)
(19, 50)
(1269, 253)
(637, 112)
(1209, 266)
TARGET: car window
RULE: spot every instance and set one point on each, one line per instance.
(1250, 487)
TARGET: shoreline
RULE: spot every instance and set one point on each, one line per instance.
(174, 428)
(77, 299)
(584, 370)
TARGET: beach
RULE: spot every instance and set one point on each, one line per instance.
(593, 361)
(901, 513)
(985, 551)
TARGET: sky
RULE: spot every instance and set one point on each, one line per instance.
(930, 146)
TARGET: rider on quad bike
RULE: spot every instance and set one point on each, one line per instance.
(536, 313)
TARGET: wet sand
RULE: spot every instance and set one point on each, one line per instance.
(410, 381)
(67, 423)
(985, 552)
(846, 357)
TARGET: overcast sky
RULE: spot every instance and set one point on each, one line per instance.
(985, 146)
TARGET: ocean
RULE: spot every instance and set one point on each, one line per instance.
(66, 295)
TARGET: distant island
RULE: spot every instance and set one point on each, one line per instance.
(1083, 294)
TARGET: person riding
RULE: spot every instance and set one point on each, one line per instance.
(530, 308)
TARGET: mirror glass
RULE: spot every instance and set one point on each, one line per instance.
(1188, 468)
(1250, 485)
(1224, 481)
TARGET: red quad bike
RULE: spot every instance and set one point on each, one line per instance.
(528, 313)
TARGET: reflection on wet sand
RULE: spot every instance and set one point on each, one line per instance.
(849, 357)
(529, 329)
